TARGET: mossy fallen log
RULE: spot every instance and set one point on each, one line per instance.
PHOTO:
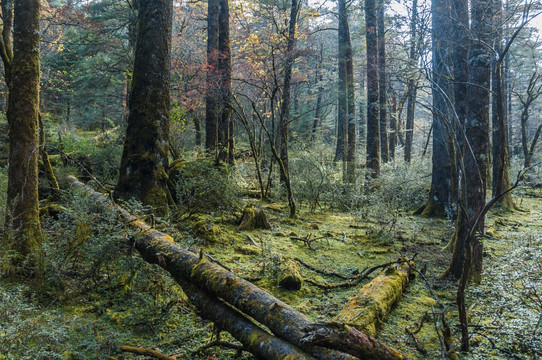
(290, 275)
(284, 322)
(371, 306)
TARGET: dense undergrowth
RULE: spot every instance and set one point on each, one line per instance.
(89, 292)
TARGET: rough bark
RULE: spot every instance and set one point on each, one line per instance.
(212, 93)
(23, 74)
(284, 117)
(225, 136)
(476, 149)
(373, 121)
(382, 86)
(371, 306)
(441, 199)
(145, 155)
(216, 282)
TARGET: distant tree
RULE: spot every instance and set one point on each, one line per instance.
(226, 142)
(533, 91)
(212, 92)
(351, 110)
(412, 87)
(145, 155)
(22, 74)
(373, 125)
(382, 79)
(342, 115)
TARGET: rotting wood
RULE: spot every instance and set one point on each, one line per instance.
(290, 275)
(350, 340)
(253, 219)
(284, 322)
(371, 306)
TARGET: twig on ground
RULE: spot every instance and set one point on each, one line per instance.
(146, 352)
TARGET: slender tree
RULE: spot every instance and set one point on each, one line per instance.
(22, 73)
(145, 155)
(534, 90)
(226, 141)
(342, 111)
(412, 87)
(500, 152)
(382, 79)
(212, 92)
(373, 121)
(351, 110)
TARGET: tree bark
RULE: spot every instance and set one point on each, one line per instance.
(342, 112)
(144, 160)
(373, 122)
(23, 76)
(411, 85)
(225, 136)
(212, 93)
(500, 153)
(382, 86)
(441, 200)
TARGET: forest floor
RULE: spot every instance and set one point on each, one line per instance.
(95, 294)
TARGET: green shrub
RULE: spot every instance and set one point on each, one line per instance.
(199, 186)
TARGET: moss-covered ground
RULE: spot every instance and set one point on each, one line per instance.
(91, 293)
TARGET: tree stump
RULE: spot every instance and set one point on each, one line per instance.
(290, 276)
(253, 219)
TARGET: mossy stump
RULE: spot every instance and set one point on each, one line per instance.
(290, 276)
(253, 219)
(207, 231)
(371, 306)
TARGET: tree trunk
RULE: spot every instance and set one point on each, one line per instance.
(411, 85)
(500, 153)
(476, 150)
(440, 201)
(371, 306)
(212, 93)
(225, 137)
(373, 122)
(285, 108)
(382, 87)
(214, 282)
(23, 74)
(342, 112)
(144, 163)
(350, 104)
(393, 127)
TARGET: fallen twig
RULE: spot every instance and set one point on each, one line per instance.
(147, 352)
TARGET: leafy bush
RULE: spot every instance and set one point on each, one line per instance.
(200, 185)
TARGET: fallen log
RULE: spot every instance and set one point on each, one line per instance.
(284, 322)
(349, 340)
(371, 306)
(147, 352)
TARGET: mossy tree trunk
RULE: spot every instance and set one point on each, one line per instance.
(145, 155)
(341, 84)
(373, 122)
(350, 108)
(22, 75)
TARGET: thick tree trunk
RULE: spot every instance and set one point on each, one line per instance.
(382, 86)
(212, 93)
(476, 151)
(441, 199)
(373, 121)
(23, 74)
(350, 106)
(208, 282)
(144, 163)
